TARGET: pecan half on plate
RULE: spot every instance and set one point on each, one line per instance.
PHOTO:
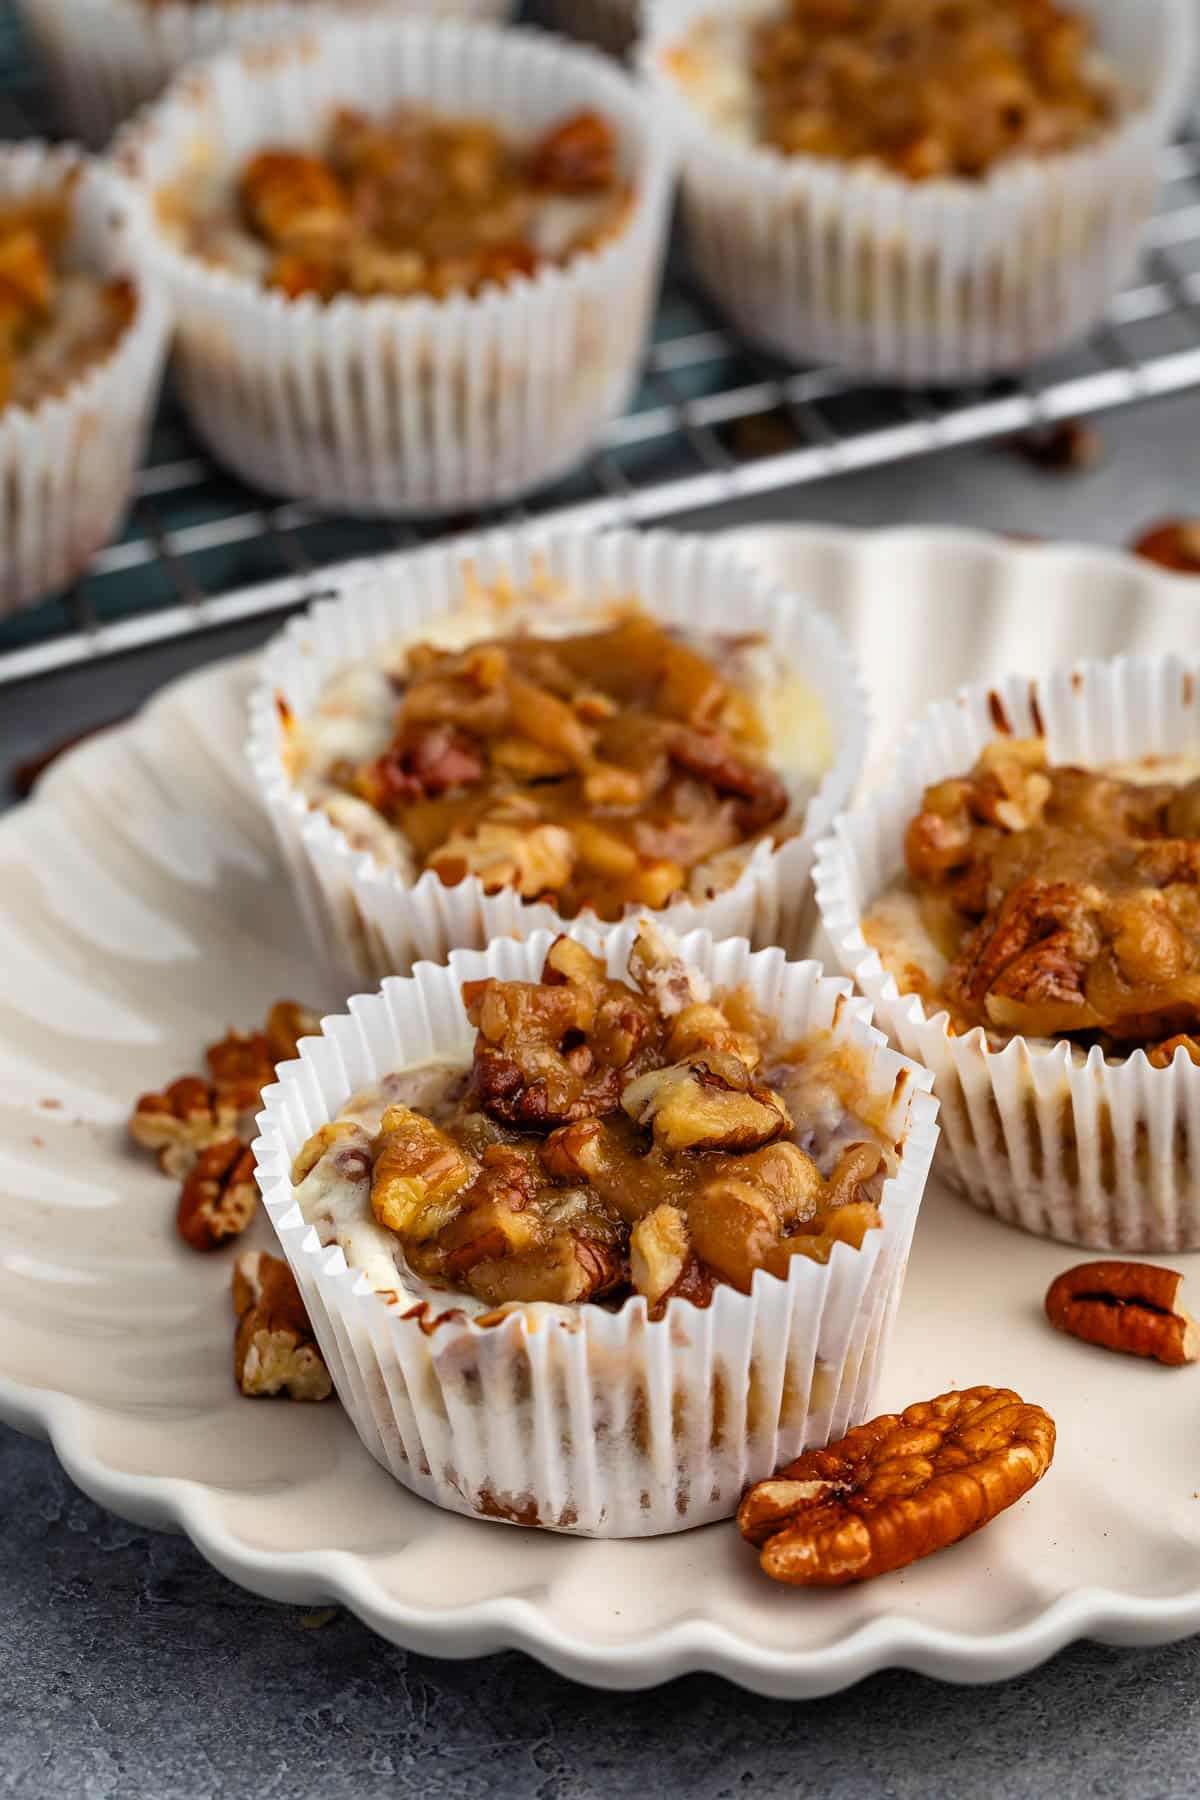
(898, 1488)
(1126, 1306)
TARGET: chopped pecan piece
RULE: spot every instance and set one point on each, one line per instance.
(567, 1270)
(182, 1121)
(292, 197)
(1173, 544)
(761, 794)
(711, 1102)
(659, 1252)
(898, 1488)
(551, 1052)
(219, 1198)
(577, 157)
(275, 1351)
(241, 1066)
(534, 859)
(1163, 1055)
(354, 1148)
(419, 1173)
(287, 1023)
(1125, 1306)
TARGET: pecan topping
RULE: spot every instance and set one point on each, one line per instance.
(597, 771)
(577, 1161)
(1064, 901)
(898, 1488)
(274, 1350)
(219, 1197)
(1125, 1306)
(557, 1050)
(418, 1173)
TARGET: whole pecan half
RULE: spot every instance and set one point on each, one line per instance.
(1125, 1306)
(218, 1199)
(898, 1488)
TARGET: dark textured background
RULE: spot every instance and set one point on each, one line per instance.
(129, 1668)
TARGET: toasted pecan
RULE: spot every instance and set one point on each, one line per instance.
(898, 1488)
(1127, 1306)
(219, 1197)
(275, 1351)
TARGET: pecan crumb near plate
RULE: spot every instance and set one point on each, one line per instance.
(898, 1488)
(219, 1198)
(1173, 544)
(1125, 1306)
(275, 1351)
(1067, 447)
(201, 1128)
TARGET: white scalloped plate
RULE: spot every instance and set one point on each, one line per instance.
(144, 910)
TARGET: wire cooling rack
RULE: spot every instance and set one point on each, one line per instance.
(712, 422)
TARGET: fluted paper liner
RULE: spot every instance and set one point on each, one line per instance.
(576, 1418)
(369, 921)
(105, 58)
(1102, 1153)
(935, 281)
(67, 464)
(411, 406)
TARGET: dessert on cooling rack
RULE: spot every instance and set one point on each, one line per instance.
(935, 89)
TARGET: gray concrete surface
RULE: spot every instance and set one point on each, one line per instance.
(128, 1667)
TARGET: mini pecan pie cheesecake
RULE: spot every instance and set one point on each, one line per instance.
(605, 1138)
(105, 58)
(1025, 916)
(541, 726)
(412, 262)
(81, 345)
(1053, 902)
(633, 1214)
(414, 202)
(926, 189)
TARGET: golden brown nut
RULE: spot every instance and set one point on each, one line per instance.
(419, 1174)
(219, 1197)
(287, 1023)
(659, 1249)
(292, 197)
(342, 1131)
(183, 1120)
(1125, 1306)
(898, 1488)
(274, 1350)
(708, 1103)
(240, 1066)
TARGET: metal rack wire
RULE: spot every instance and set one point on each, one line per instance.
(712, 422)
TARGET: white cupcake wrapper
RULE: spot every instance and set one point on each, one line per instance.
(67, 464)
(937, 281)
(105, 58)
(368, 920)
(414, 406)
(604, 1424)
(1103, 1154)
